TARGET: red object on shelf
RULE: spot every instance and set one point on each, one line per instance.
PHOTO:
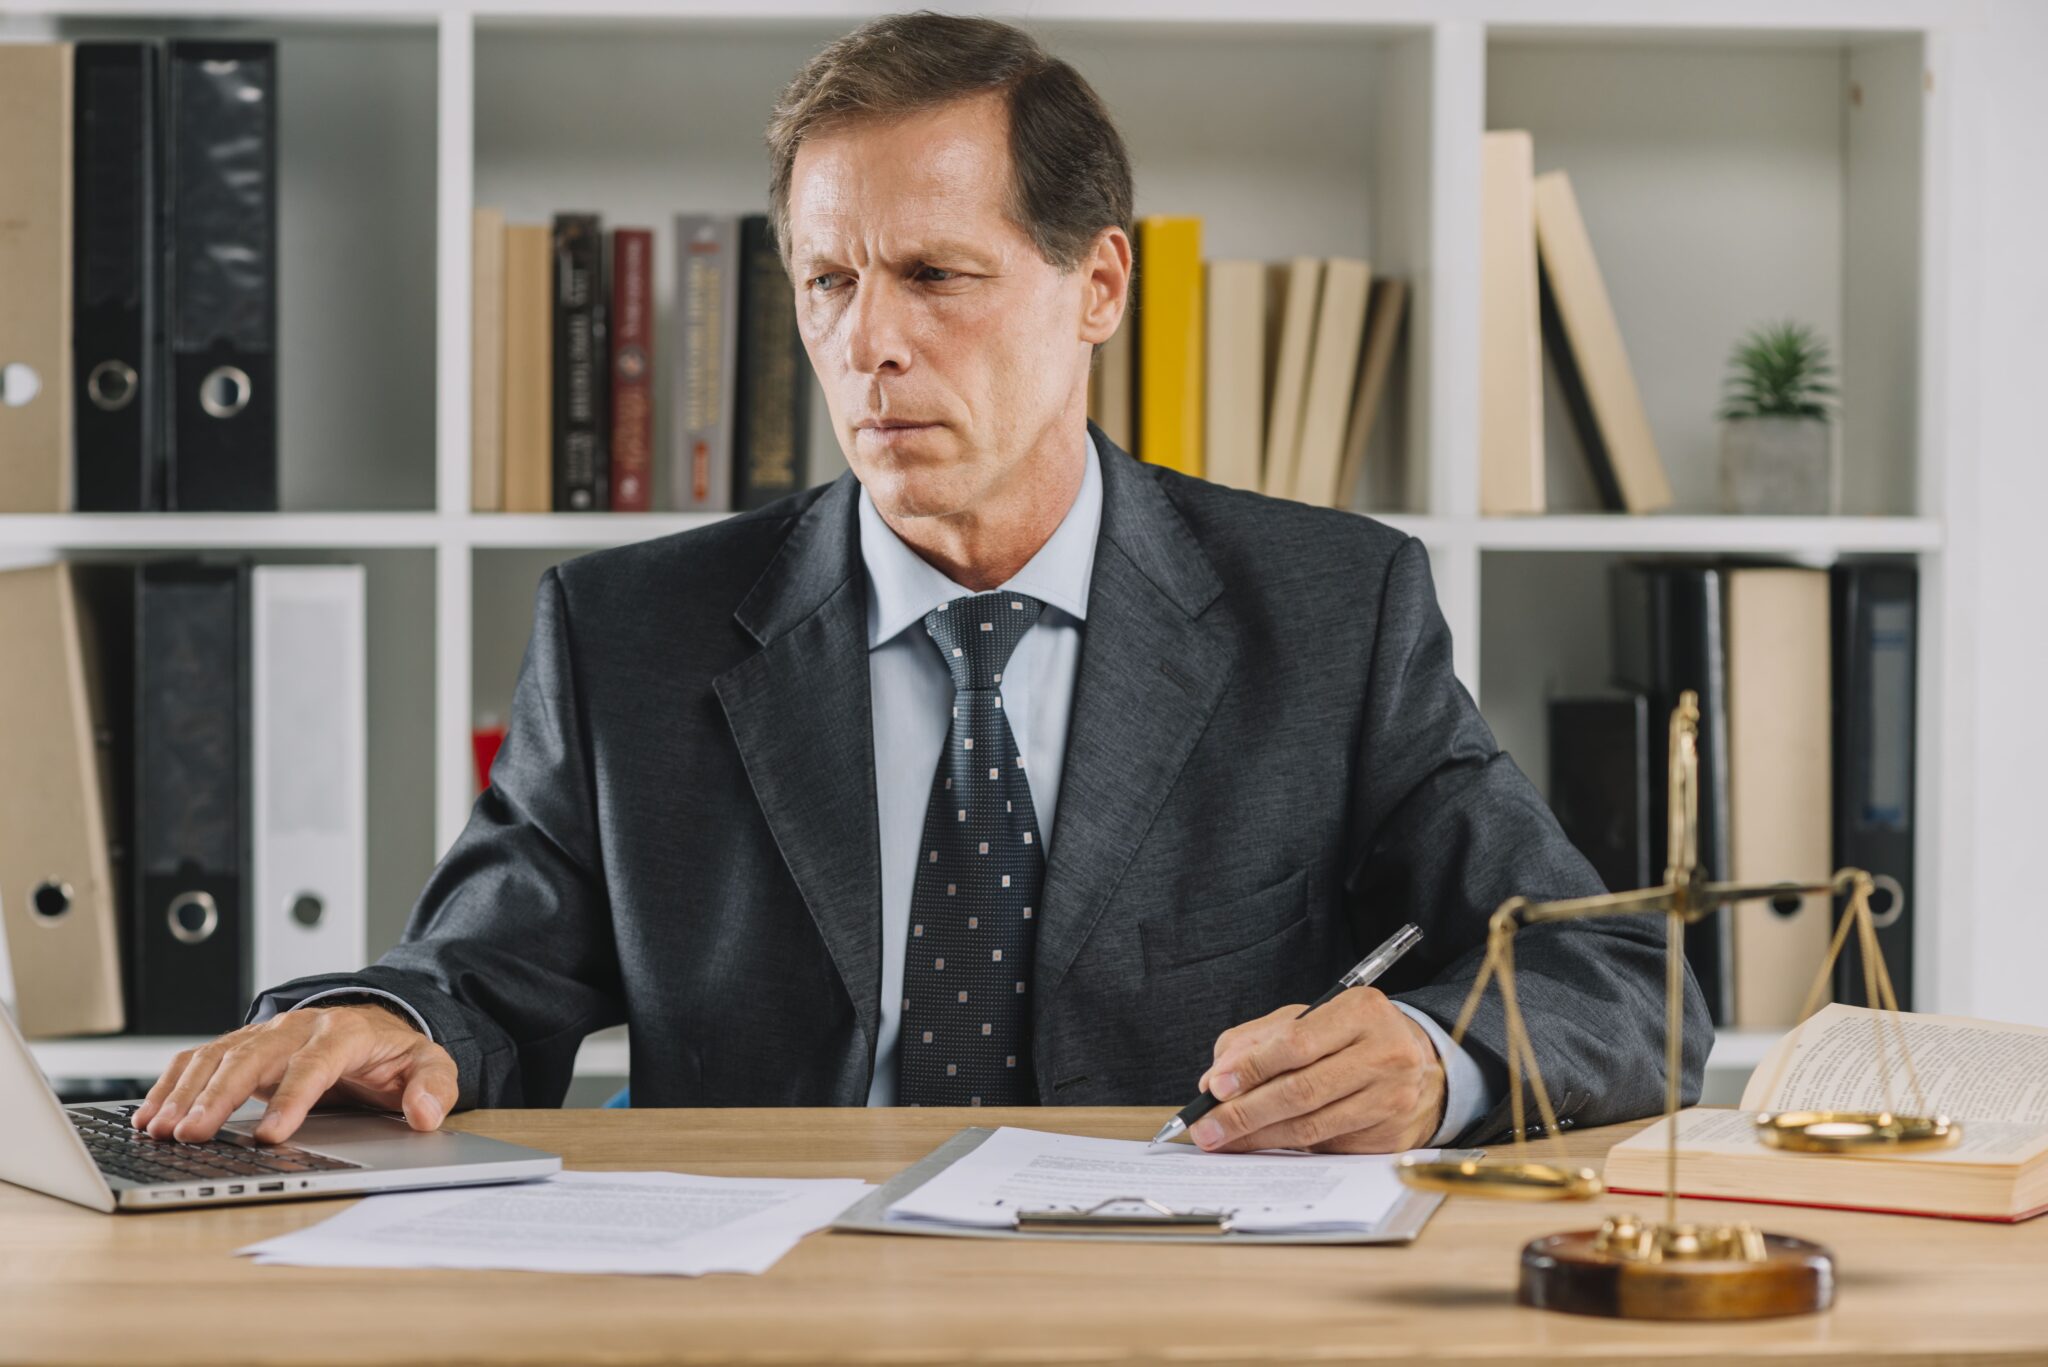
(485, 740)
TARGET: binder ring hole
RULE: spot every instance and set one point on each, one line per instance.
(19, 383)
(1887, 901)
(51, 901)
(192, 917)
(225, 391)
(111, 386)
(306, 910)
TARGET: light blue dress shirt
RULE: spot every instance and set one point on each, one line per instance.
(912, 697)
(912, 693)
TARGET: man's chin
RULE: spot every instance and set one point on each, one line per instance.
(916, 488)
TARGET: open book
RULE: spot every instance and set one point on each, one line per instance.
(1991, 1077)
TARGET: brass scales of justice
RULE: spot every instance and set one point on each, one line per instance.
(1637, 1268)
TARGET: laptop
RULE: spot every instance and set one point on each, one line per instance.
(91, 1153)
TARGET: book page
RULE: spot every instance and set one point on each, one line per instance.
(1972, 1070)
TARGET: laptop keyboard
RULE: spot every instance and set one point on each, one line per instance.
(121, 1150)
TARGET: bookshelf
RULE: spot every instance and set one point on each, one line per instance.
(1737, 160)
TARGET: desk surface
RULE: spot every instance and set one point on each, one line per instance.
(77, 1286)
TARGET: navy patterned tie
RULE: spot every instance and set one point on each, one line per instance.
(966, 1037)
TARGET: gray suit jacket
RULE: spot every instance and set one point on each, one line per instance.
(1269, 766)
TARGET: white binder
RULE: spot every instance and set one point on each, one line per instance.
(307, 771)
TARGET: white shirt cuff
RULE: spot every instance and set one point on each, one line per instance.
(266, 1005)
(1465, 1098)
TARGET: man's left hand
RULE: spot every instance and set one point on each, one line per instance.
(1357, 1075)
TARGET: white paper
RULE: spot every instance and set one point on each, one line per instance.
(1974, 1070)
(635, 1222)
(1016, 1170)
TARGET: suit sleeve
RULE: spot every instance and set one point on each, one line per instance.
(509, 955)
(1445, 829)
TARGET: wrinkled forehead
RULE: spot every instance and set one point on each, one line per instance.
(938, 178)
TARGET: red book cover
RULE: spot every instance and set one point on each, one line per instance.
(632, 361)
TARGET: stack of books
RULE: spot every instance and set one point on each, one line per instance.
(1542, 293)
(565, 388)
(1262, 376)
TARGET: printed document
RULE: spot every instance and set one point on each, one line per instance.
(1016, 1170)
(651, 1222)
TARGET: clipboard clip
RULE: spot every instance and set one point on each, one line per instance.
(1101, 1219)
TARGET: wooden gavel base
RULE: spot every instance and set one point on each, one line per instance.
(1564, 1272)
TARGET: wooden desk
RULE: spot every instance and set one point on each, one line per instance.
(76, 1286)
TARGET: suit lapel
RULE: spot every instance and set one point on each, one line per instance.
(800, 715)
(1151, 673)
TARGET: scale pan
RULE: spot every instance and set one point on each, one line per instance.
(1501, 1180)
(1855, 1131)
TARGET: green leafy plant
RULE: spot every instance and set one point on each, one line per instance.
(1779, 370)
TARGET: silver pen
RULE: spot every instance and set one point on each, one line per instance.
(1362, 974)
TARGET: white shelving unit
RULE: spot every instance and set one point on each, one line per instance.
(1737, 160)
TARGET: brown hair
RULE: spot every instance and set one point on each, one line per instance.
(1069, 174)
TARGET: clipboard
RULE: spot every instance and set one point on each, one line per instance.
(1126, 1222)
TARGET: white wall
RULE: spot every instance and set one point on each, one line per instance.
(2000, 975)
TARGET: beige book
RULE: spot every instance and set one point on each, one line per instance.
(1384, 314)
(1332, 378)
(487, 362)
(1780, 782)
(1233, 447)
(57, 897)
(1593, 362)
(1984, 1074)
(1110, 384)
(35, 278)
(1300, 286)
(529, 374)
(1510, 329)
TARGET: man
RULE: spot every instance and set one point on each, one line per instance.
(1002, 770)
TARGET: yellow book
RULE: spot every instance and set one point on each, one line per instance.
(1170, 350)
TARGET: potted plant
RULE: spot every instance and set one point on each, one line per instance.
(1777, 424)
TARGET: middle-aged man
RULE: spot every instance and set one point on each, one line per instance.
(1004, 769)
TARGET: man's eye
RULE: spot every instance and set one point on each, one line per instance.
(938, 275)
(820, 282)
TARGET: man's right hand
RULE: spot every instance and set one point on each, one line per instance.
(295, 1060)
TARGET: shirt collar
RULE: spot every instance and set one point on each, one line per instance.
(903, 586)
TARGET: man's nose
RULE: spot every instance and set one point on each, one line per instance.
(877, 328)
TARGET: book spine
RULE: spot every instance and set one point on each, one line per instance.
(1170, 345)
(632, 387)
(772, 415)
(579, 273)
(707, 314)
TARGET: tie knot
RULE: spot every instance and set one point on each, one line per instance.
(976, 634)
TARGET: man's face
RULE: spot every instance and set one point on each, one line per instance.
(948, 347)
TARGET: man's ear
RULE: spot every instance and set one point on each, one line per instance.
(1106, 285)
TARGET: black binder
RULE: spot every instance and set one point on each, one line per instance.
(1876, 623)
(1600, 786)
(117, 332)
(190, 905)
(221, 243)
(1668, 637)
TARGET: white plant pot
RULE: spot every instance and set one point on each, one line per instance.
(1779, 465)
